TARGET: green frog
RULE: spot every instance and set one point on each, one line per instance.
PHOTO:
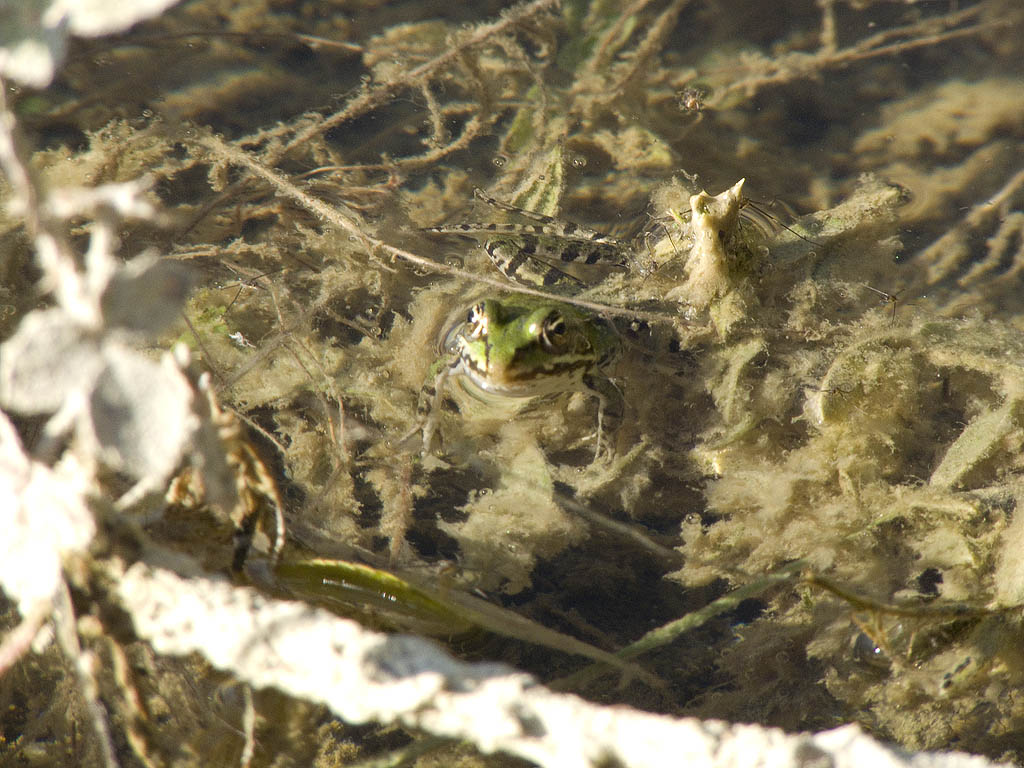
(510, 351)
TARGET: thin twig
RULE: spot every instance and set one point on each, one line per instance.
(828, 26)
(473, 128)
(668, 633)
(82, 662)
(601, 55)
(910, 610)
(337, 431)
(53, 254)
(248, 727)
(404, 755)
(941, 257)
(374, 96)
(121, 669)
(796, 65)
(19, 640)
(628, 531)
(437, 129)
(653, 42)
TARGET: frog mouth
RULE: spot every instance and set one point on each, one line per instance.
(511, 381)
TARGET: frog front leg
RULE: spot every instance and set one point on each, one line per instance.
(431, 398)
(611, 408)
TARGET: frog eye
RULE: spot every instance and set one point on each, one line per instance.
(552, 332)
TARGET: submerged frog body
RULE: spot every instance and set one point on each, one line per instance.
(509, 351)
(547, 253)
(709, 238)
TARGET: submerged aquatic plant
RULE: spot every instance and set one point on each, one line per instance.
(775, 410)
